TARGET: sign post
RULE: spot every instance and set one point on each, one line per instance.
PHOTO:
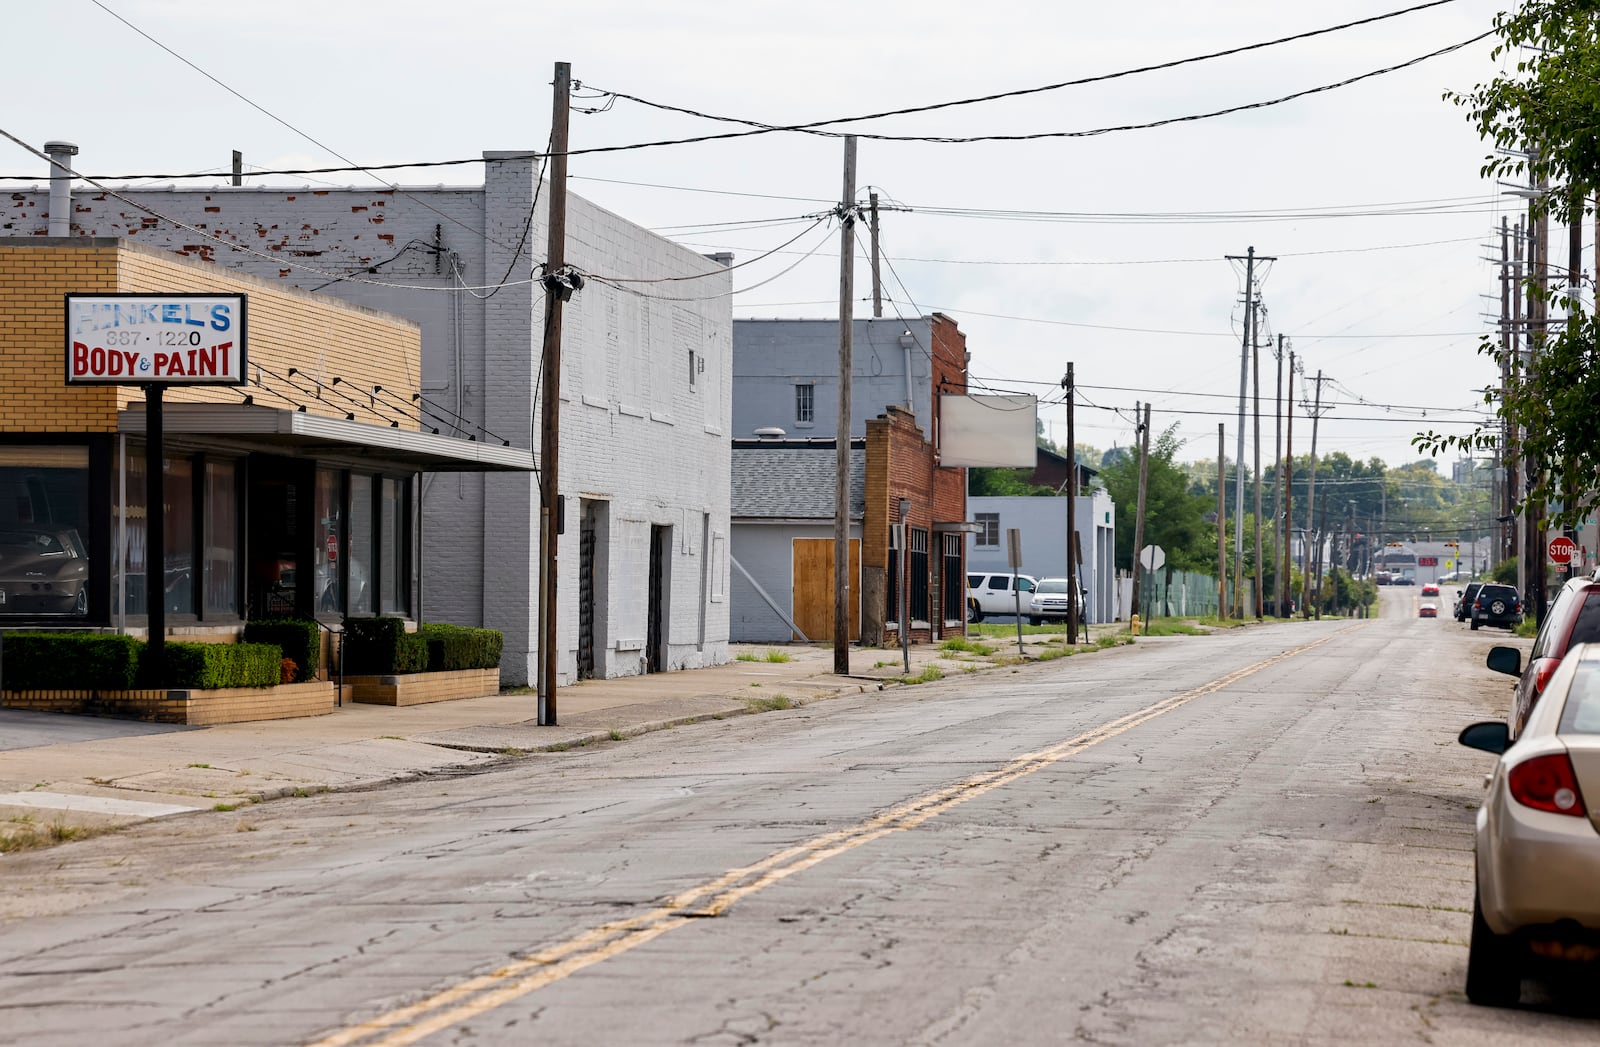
(1014, 559)
(153, 341)
(1151, 558)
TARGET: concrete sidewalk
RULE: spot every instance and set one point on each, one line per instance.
(139, 771)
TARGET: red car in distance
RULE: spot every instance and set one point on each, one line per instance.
(1430, 590)
(1428, 610)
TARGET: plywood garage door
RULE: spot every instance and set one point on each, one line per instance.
(813, 588)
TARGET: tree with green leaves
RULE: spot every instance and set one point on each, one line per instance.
(1543, 118)
(1175, 517)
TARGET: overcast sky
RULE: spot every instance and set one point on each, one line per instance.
(1104, 250)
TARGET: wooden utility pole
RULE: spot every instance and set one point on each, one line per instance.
(1222, 523)
(1538, 324)
(555, 294)
(1141, 435)
(1503, 548)
(1072, 513)
(1311, 508)
(1255, 364)
(877, 284)
(1286, 587)
(1277, 452)
(841, 487)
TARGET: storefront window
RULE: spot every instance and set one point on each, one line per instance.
(129, 533)
(44, 528)
(361, 536)
(222, 538)
(327, 540)
(178, 490)
(392, 591)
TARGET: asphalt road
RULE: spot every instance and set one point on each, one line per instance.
(1255, 837)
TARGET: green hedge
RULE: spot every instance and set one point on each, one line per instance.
(208, 666)
(94, 662)
(300, 639)
(70, 661)
(460, 647)
(382, 647)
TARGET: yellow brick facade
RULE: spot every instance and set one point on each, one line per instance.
(286, 328)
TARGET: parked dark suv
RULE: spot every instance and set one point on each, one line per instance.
(1573, 618)
(1464, 601)
(1496, 605)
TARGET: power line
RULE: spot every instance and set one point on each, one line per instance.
(286, 124)
(815, 126)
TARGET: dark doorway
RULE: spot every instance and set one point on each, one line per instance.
(656, 640)
(280, 504)
(587, 540)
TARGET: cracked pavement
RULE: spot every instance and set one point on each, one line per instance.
(1286, 860)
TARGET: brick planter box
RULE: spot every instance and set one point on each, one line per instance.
(196, 708)
(418, 688)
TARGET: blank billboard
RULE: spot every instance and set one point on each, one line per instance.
(988, 430)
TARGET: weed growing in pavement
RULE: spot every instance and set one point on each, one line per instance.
(25, 836)
(961, 643)
(1172, 627)
(1527, 628)
(777, 656)
(767, 705)
(202, 766)
(512, 750)
(615, 735)
(745, 656)
(755, 685)
(1360, 985)
(1112, 641)
(927, 675)
(883, 665)
(1050, 654)
(224, 807)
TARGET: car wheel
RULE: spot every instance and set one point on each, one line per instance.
(974, 615)
(1474, 621)
(81, 604)
(1492, 976)
(1035, 621)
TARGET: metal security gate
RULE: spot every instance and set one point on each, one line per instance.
(586, 570)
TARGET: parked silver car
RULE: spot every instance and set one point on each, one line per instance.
(1538, 840)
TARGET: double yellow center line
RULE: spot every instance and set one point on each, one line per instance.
(481, 994)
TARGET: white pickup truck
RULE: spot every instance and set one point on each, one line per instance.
(992, 595)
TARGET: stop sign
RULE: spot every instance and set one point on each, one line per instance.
(1562, 549)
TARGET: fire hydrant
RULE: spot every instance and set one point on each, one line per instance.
(1133, 624)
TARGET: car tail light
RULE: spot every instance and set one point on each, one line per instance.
(1541, 676)
(1547, 783)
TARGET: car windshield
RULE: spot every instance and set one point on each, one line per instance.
(1053, 585)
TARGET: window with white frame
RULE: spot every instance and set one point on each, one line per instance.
(988, 530)
(805, 403)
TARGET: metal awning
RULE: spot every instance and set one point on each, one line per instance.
(957, 526)
(301, 434)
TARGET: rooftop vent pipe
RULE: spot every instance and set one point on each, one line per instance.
(61, 154)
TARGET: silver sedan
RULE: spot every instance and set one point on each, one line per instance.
(1538, 840)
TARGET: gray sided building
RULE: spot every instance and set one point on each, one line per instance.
(646, 388)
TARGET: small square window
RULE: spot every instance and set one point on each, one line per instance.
(989, 530)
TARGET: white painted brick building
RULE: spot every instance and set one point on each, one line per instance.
(645, 400)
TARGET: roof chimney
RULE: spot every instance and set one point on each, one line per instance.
(61, 154)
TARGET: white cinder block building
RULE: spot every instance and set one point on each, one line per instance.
(645, 398)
